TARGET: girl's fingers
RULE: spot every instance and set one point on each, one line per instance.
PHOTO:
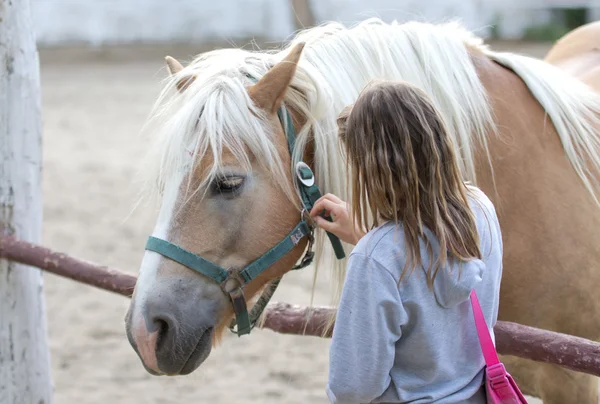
(326, 225)
(325, 204)
(318, 208)
(330, 197)
(333, 198)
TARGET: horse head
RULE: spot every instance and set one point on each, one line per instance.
(227, 198)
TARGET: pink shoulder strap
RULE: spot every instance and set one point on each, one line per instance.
(485, 340)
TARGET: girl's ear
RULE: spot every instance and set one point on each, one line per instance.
(343, 119)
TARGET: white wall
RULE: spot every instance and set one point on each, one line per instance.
(124, 21)
(99, 22)
(475, 14)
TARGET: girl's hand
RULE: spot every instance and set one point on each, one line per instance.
(342, 225)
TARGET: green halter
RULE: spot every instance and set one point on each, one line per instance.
(309, 193)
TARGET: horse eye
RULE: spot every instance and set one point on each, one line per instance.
(228, 186)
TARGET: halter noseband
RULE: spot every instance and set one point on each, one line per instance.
(232, 280)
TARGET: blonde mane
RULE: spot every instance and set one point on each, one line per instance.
(215, 113)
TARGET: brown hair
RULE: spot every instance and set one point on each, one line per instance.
(404, 169)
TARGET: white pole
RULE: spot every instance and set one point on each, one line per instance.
(303, 14)
(24, 357)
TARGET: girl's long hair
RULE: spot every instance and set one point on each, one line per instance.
(404, 169)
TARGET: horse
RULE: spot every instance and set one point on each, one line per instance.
(578, 53)
(230, 129)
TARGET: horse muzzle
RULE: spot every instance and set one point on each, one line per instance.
(172, 335)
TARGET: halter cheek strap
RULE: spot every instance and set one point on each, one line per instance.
(239, 278)
(310, 194)
(232, 280)
(307, 187)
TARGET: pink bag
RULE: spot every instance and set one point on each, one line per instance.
(499, 385)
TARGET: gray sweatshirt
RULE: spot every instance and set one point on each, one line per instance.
(408, 343)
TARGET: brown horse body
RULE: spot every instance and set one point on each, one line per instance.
(578, 53)
(550, 225)
(550, 221)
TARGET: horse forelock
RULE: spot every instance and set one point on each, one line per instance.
(213, 116)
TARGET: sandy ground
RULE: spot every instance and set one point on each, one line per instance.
(94, 103)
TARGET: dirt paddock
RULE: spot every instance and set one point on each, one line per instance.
(94, 104)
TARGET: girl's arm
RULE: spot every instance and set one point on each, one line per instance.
(367, 328)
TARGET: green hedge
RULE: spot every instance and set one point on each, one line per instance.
(563, 21)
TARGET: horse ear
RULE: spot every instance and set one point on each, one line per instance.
(268, 93)
(174, 68)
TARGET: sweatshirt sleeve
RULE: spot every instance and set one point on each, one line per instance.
(367, 327)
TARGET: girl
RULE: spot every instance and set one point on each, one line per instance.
(404, 330)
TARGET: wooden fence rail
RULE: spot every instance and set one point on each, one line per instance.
(511, 339)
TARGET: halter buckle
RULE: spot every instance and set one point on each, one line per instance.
(307, 259)
(305, 215)
(305, 174)
(233, 274)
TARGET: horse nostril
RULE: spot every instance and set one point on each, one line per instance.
(164, 326)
